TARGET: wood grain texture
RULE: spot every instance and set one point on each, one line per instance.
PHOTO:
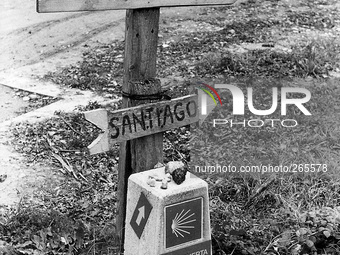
(44, 6)
(143, 120)
(141, 37)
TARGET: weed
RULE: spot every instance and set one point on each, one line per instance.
(251, 213)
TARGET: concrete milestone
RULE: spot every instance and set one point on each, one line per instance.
(172, 221)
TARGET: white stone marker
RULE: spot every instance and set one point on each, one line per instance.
(172, 221)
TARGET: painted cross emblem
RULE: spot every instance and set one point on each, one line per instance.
(183, 222)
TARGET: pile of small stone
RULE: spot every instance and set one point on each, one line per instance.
(174, 170)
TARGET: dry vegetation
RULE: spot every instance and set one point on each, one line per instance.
(250, 213)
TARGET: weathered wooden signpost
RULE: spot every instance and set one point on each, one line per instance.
(139, 121)
(143, 124)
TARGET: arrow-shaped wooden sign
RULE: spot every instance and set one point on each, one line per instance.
(143, 120)
(96, 5)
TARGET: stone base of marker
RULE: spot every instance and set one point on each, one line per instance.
(172, 221)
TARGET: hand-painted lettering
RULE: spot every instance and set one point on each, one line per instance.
(193, 111)
(159, 111)
(140, 121)
(179, 115)
(114, 135)
(167, 113)
(149, 111)
(126, 122)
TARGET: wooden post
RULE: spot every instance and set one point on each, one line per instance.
(141, 37)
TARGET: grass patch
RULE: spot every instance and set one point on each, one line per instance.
(76, 215)
(101, 70)
(250, 213)
(286, 218)
(205, 53)
(315, 138)
(312, 58)
(263, 213)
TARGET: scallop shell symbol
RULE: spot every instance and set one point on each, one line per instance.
(181, 223)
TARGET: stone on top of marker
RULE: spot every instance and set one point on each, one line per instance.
(178, 171)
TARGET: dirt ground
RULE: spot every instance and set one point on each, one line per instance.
(34, 44)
